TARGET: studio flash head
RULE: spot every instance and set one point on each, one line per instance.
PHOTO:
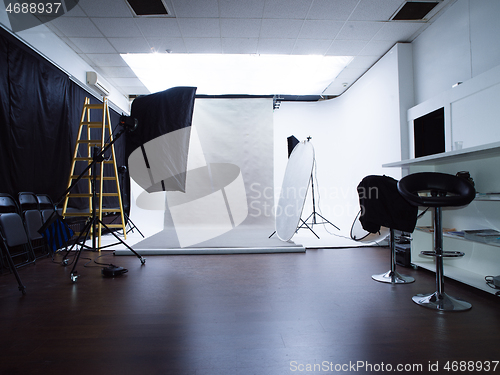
(128, 123)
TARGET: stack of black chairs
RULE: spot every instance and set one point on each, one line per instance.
(33, 221)
(20, 220)
(13, 231)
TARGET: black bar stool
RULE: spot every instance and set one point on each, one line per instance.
(382, 205)
(445, 191)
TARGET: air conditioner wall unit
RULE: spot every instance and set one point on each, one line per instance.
(97, 83)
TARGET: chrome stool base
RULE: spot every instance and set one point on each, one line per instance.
(393, 277)
(442, 302)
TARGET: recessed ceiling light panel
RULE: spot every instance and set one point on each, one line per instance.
(148, 7)
(414, 10)
(224, 74)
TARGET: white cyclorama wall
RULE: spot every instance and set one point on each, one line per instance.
(51, 46)
(462, 44)
(353, 135)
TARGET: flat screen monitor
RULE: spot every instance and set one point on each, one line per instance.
(429, 133)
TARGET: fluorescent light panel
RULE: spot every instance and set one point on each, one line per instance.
(220, 74)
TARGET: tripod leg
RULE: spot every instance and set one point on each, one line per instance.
(133, 226)
(303, 225)
(123, 243)
(86, 230)
(308, 227)
(328, 221)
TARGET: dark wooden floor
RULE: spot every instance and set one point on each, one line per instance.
(266, 314)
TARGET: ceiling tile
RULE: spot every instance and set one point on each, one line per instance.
(240, 28)
(346, 47)
(85, 58)
(98, 29)
(276, 46)
(127, 81)
(71, 45)
(199, 27)
(108, 9)
(135, 90)
(131, 45)
(158, 27)
(375, 10)
(175, 45)
(195, 8)
(117, 27)
(363, 62)
(311, 47)
(291, 9)
(203, 45)
(398, 31)
(239, 45)
(106, 59)
(76, 11)
(351, 73)
(320, 29)
(76, 27)
(347, 76)
(339, 10)
(359, 30)
(118, 72)
(54, 29)
(287, 29)
(170, 8)
(335, 88)
(93, 45)
(241, 8)
(377, 48)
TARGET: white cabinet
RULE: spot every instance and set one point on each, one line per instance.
(480, 260)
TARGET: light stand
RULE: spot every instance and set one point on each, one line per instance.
(122, 172)
(314, 213)
(129, 125)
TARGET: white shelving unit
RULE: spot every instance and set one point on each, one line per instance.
(480, 260)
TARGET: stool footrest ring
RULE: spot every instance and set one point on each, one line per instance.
(445, 254)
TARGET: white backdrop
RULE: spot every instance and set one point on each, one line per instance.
(229, 199)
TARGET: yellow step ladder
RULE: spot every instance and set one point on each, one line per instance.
(83, 156)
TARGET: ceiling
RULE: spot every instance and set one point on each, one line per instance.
(100, 30)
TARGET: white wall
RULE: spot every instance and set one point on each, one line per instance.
(48, 44)
(461, 46)
(353, 135)
(463, 43)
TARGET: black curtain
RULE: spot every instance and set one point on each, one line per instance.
(40, 110)
(5, 179)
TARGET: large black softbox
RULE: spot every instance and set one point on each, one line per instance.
(157, 150)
